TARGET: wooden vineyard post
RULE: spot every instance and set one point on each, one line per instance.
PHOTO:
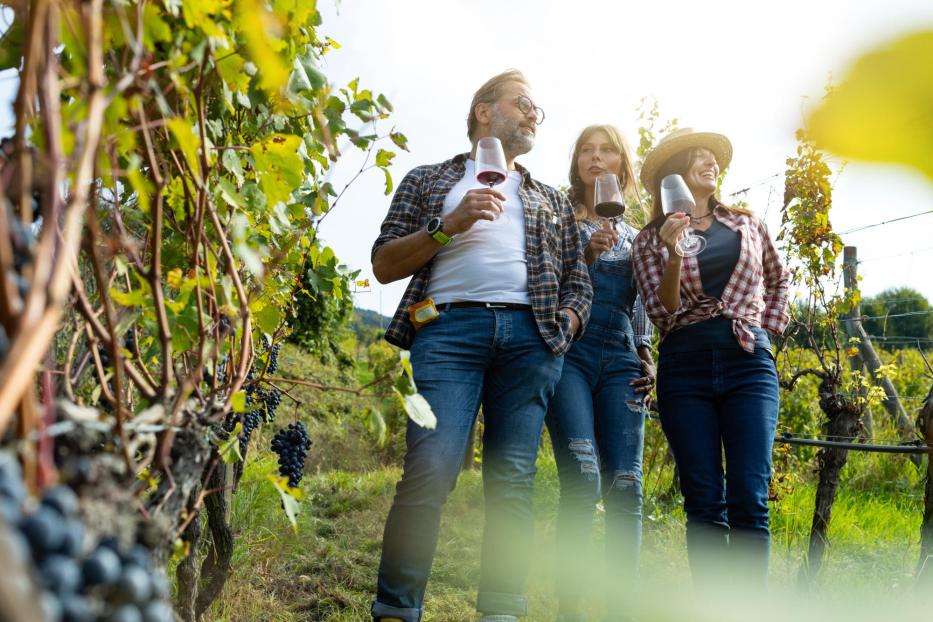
(856, 363)
(854, 328)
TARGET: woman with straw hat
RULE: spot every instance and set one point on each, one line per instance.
(717, 384)
(596, 418)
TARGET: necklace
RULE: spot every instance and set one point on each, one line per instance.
(699, 218)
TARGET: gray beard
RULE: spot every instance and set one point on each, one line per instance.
(514, 141)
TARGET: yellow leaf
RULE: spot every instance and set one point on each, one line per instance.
(188, 142)
(259, 28)
(883, 110)
(200, 14)
(173, 278)
(232, 68)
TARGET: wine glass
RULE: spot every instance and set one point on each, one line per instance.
(676, 197)
(609, 204)
(491, 168)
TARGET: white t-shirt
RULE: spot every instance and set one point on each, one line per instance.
(487, 262)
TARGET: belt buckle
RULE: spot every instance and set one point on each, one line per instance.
(493, 305)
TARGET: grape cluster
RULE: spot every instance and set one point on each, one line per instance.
(270, 401)
(273, 356)
(292, 445)
(22, 243)
(105, 584)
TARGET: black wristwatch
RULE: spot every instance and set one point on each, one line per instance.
(434, 229)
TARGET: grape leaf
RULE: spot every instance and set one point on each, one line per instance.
(883, 110)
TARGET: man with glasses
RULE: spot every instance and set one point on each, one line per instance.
(498, 290)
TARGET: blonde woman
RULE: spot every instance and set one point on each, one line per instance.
(597, 415)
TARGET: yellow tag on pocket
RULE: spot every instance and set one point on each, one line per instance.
(422, 313)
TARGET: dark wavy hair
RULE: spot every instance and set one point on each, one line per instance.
(680, 164)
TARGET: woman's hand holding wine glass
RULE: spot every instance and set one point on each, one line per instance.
(676, 199)
(603, 239)
(672, 231)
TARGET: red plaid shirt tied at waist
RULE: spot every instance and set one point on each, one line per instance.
(756, 294)
(557, 275)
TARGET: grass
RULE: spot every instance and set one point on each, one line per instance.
(325, 569)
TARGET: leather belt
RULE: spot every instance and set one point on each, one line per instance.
(488, 305)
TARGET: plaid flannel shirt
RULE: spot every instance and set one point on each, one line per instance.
(557, 275)
(756, 294)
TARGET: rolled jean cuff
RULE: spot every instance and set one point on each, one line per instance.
(501, 604)
(381, 610)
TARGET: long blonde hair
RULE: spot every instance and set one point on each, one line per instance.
(680, 164)
(626, 173)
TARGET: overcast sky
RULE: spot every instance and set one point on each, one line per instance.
(747, 69)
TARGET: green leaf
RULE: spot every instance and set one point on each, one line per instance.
(404, 357)
(187, 141)
(200, 14)
(403, 385)
(229, 450)
(376, 424)
(883, 110)
(256, 24)
(140, 184)
(384, 103)
(389, 185)
(232, 68)
(268, 318)
(155, 29)
(11, 44)
(280, 166)
(384, 158)
(134, 298)
(399, 139)
(306, 65)
(229, 193)
(238, 402)
(290, 497)
(418, 410)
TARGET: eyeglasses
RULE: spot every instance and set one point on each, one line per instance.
(525, 106)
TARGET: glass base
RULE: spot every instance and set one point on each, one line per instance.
(691, 245)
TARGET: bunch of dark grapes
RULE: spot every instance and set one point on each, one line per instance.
(270, 401)
(273, 359)
(22, 243)
(251, 421)
(292, 445)
(103, 584)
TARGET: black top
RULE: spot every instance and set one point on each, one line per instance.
(718, 260)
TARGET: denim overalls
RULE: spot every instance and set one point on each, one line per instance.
(596, 422)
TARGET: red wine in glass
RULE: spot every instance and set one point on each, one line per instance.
(608, 194)
(490, 177)
(491, 168)
(610, 209)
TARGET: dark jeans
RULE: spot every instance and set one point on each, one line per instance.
(714, 402)
(468, 357)
(596, 423)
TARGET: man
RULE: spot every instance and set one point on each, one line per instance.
(503, 269)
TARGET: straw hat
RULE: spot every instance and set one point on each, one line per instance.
(677, 141)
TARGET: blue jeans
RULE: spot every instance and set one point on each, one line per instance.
(465, 358)
(715, 401)
(597, 424)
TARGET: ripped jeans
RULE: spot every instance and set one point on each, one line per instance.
(596, 422)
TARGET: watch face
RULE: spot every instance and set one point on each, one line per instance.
(434, 225)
